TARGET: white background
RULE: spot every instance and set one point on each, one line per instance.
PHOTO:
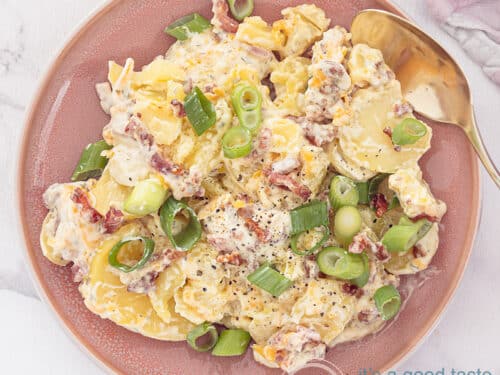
(31, 341)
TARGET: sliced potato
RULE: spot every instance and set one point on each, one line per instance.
(364, 142)
(107, 297)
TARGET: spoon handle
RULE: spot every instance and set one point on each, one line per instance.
(474, 136)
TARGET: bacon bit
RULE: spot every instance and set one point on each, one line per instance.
(221, 18)
(173, 255)
(311, 268)
(178, 108)
(233, 258)
(388, 131)
(397, 148)
(318, 134)
(79, 197)
(379, 203)
(402, 109)
(145, 284)
(264, 140)
(381, 254)
(359, 244)
(418, 252)
(113, 220)
(165, 166)
(432, 219)
(136, 130)
(246, 213)
(350, 289)
(288, 183)
(272, 90)
(365, 316)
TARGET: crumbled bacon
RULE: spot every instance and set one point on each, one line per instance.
(252, 225)
(272, 90)
(366, 316)
(178, 108)
(352, 290)
(113, 220)
(233, 258)
(288, 183)
(221, 17)
(388, 130)
(165, 166)
(432, 219)
(264, 140)
(81, 198)
(381, 253)
(401, 109)
(359, 244)
(145, 284)
(317, 134)
(418, 252)
(173, 255)
(379, 203)
(136, 130)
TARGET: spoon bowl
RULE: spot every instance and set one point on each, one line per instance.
(431, 80)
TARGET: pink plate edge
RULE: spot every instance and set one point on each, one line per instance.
(40, 288)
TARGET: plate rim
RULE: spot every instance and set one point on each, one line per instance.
(33, 270)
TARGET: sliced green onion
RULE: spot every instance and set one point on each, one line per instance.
(237, 143)
(309, 216)
(343, 192)
(388, 301)
(232, 342)
(402, 237)
(146, 198)
(394, 203)
(362, 280)
(337, 262)
(190, 234)
(200, 111)
(374, 184)
(408, 131)
(240, 8)
(347, 223)
(270, 280)
(187, 25)
(149, 248)
(198, 332)
(91, 163)
(247, 104)
(363, 192)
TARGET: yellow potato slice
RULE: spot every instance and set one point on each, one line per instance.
(45, 239)
(109, 193)
(107, 297)
(364, 141)
(324, 308)
(162, 299)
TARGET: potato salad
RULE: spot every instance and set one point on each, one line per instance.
(257, 187)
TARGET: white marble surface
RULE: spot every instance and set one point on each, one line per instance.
(31, 31)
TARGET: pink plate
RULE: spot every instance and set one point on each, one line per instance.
(66, 115)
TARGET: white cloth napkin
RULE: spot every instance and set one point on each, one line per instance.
(475, 24)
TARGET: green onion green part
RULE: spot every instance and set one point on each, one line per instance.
(408, 131)
(200, 111)
(267, 278)
(241, 8)
(146, 198)
(232, 342)
(149, 248)
(388, 301)
(362, 280)
(309, 216)
(374, 184)
(339, 263)
(186, 238)
(91, 163)
(304, 218)
(394, 203)
(237, 142)
(363, 192)
(206, 330)
(343, 192)
(184, 27)
(347, 224)
(402, 237)
(247, 104)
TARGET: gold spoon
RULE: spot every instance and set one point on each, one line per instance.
(431, 80)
